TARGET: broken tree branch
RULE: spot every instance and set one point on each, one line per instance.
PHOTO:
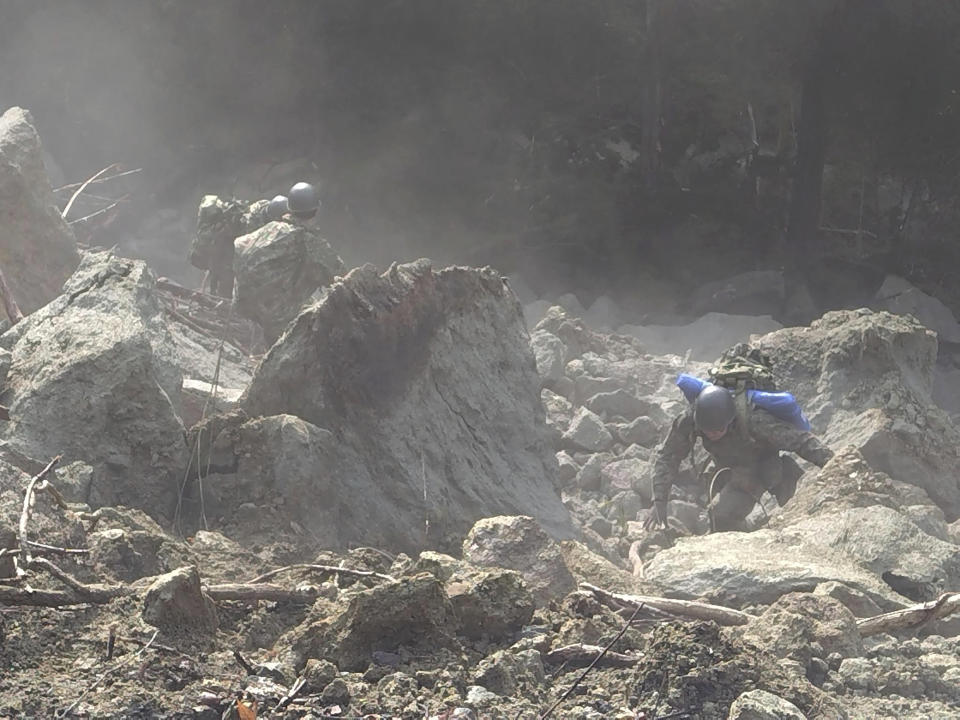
(590, 667)
(322, 568)
(681, 608)
(83, 185)
(256, 593)
(37, 482)
(911, 617)
(9, 302)
(578, 655)
(71, 186)
(99, 212)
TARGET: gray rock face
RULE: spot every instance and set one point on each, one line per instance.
(763, 705)
(94, 376)
(37, 248)
(520, 544)
(428, 385)
(865, 378)
(278, 268)
(175, 603)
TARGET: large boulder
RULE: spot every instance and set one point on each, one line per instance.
(427, 383)
(278, 267)
(94, 376)
(847, 524)
(37, 248)
(865, 378)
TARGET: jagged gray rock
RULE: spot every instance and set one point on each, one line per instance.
(174, 602)
(278, 267)
(801, 626)
(763, 705)
(549, 351)
(94, 376)
(428, 385)
(490, 603)
(38, 251)
(587, 432)
(519, 543)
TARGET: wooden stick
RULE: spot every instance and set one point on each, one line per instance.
(71, 186)
(911, 617)
(578, 655)
(682, 608)
(590, 667)
(28, 508)
(101, 211)
(82, 187)
(256, 593)
(322, 568)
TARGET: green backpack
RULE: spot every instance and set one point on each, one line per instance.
(743, 368)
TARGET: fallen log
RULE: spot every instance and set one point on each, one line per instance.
(324, 569)
(911, 617)
(679, 608)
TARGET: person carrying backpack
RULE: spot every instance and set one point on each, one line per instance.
(743, 425)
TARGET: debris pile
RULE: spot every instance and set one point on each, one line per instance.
(410, 508)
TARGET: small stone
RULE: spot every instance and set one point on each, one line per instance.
(318, 674)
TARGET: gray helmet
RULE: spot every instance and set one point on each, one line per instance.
(303, 200)
(713, 409)
(277, 207)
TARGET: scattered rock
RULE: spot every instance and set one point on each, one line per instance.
(762, 705)
(587, 432)
(175, 603)
(798, 622)
(519, 543)
(489, 603)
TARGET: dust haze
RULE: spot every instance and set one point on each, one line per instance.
(431, 128)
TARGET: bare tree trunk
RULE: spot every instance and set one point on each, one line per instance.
(805, 200)
(650, 99)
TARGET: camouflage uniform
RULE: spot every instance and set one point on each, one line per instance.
(753, 457)
(220, 221)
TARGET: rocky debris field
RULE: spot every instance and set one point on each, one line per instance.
(415, 504)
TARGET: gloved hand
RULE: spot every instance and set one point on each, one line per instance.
(658, 518)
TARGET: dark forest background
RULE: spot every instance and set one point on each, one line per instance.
(589, 145)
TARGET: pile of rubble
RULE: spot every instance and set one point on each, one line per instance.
(410, 507)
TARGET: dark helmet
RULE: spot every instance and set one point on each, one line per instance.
(303, 200)
(713, 409)
(277, 207)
